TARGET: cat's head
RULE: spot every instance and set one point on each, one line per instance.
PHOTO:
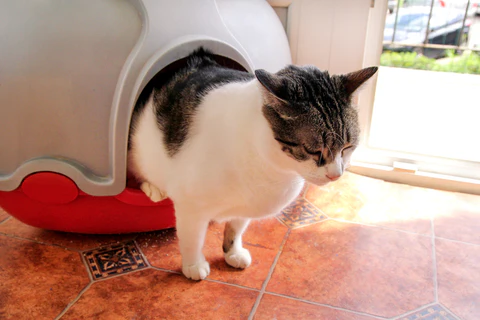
(313, 122)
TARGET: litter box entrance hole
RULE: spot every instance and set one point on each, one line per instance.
(166, 73)
(159, 80)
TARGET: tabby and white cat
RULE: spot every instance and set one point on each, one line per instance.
(226, 145)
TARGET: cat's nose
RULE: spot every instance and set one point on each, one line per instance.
(333, 177)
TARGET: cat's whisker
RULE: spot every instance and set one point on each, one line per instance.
(330, 151)
(339, 136)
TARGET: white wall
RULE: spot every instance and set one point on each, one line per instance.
(330, 34)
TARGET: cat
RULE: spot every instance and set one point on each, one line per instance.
(227, 145)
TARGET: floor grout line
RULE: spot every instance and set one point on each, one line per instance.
(208, 279)
(457, 241)
(310, 224)
(434, 260)
(6, 219)
(73, 302)
(232, 284)
(166, 270)
(87, 267)
(267, 279)
(277, 217)
(151, 266)
(141, 252)
(38, 242)
(415, 310)
(326, 305)
(311, 203)
(450, 311)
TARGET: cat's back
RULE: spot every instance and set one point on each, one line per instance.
(175, 104)
(163, 123)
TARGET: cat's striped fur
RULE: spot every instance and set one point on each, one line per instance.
(227, 145)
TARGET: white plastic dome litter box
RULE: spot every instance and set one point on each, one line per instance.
(70, 74)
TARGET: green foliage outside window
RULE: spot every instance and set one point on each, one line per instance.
(468, 62)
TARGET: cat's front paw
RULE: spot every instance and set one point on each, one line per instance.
(153, 192)
(239, 258)
(197, 271)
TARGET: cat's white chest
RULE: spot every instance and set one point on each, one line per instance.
(271, 201)
(257, 197)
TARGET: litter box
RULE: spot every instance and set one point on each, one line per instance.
(70, 74)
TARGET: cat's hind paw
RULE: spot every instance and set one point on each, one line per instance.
(153, 192)
(239, 258)
(197, 271)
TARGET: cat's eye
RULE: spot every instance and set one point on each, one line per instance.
(318, 156)
(346, 148)
(313, 153)
(287, 143)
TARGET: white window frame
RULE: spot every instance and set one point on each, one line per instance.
(433, 172)
(345, 35)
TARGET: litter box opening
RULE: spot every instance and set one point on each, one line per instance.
(166, 73)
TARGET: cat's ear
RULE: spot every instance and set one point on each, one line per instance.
(274, 84)
(277, 87)
(352, 81)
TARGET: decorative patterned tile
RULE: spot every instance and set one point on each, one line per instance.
(435, 312)
(371, 270)
(300, 213)
(37, 281)
(154, 294)
(114, 260)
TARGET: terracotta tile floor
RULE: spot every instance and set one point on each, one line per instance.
(358, 249)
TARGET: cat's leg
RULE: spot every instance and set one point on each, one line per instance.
(235, 254)
(153, 192)
(191, 231)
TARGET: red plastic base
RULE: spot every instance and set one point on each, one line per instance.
(52, 201)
